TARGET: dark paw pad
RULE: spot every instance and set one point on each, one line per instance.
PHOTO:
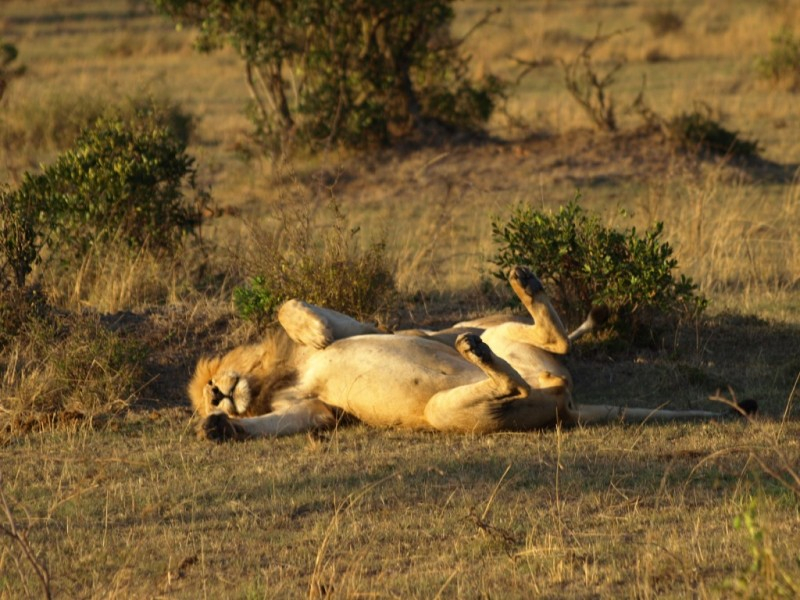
(527, 279)
(472, 344)
(218, 427)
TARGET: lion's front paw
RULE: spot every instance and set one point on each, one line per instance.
(219, 427)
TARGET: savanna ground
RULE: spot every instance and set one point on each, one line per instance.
(137, 507)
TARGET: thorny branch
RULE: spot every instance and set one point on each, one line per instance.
(21, 539)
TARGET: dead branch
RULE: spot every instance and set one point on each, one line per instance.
(20, 538)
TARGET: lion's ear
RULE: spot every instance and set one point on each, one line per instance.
(204, 372)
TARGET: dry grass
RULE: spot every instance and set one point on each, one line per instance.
(707, 213)
(112, 278)
(729, 39)
(306, 249)
(66, 372)
(138, 508)
(604, 512)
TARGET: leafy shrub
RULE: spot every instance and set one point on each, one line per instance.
(583, 263)
(67, 371)
(783, 61)
(21, 237)
(123, 179)
(325, 266)
(255, 300)
(323, 71)
(697, 131)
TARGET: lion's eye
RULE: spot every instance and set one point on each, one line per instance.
(210, 382)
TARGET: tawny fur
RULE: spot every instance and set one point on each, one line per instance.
(482, 376)
(267, 367)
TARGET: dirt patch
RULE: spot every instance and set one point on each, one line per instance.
(175, 337)
(579, 158)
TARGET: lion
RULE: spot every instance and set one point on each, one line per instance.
(483, 376)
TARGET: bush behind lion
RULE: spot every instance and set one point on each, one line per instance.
(584, 263)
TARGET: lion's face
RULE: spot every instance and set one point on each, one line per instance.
(228, 392)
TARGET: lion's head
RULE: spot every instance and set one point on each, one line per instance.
(226, 391)
(217, 387)
(244, 381)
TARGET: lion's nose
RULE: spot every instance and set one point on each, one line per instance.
(216, 396)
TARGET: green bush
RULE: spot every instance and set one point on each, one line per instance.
(323, 265)
(583, 263)
(783, 61)
(356, 73)
(256, 301)
(698, 131)
(124, 180)
(21, 237)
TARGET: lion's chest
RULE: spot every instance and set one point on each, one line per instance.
(385, 380)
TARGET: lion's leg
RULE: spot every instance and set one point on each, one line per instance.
(318, 327)
(547, 331)
(502, 401)
(294, 417)
(503, 378)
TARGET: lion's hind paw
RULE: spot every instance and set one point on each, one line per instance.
(522, 279)
(474, 349)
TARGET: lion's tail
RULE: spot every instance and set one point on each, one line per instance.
(589, 413)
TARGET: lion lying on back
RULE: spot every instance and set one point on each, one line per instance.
(482, 376)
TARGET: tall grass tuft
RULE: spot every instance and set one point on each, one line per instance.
(320, 261)
(66, 370)
(782, 64)
(722, 242)
(112, 277)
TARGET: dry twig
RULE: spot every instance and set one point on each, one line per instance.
(20, 538)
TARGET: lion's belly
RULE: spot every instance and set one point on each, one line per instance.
(386, 380)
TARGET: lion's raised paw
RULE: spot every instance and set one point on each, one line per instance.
(524, 281)
(304, 326)
(473, 348)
